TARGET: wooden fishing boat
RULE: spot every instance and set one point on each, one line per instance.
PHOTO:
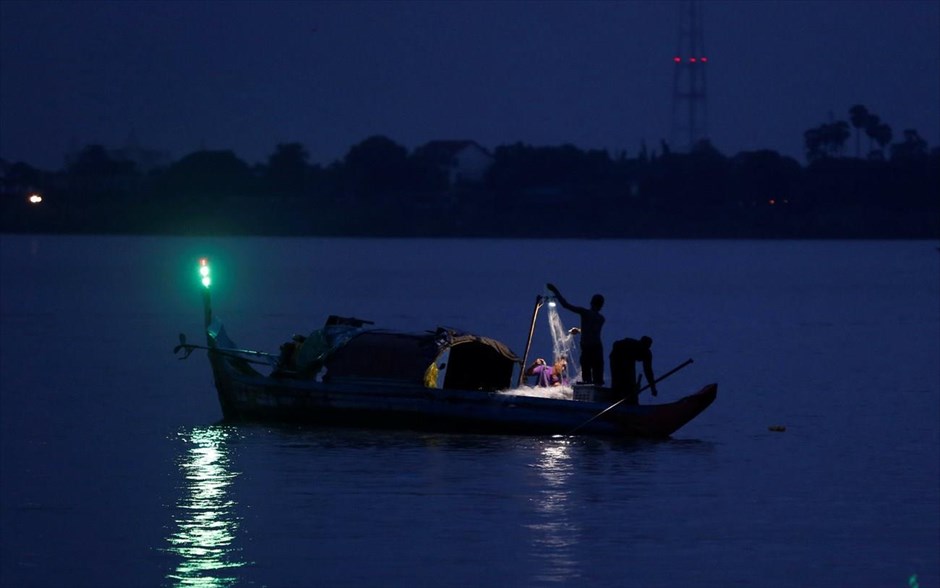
(348, 373)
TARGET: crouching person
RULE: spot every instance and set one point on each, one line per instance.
(549, 376)
(624, 356)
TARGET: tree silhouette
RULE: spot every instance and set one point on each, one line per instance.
(209, 173)
(376, 165)
(762, 177)
(826, 140)
(859, 118)
(381, 189)
(837, 134)
(914, 147)
(94, 162)
(813, 141)
(94, 173)
(21, 177)
(287, 170)
(871, 123)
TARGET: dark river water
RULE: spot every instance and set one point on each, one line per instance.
(115, 469)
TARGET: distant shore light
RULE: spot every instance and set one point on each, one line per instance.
(35, 198)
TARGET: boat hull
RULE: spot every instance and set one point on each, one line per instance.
(245, 394)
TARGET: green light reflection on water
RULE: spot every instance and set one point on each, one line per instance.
(205, 524)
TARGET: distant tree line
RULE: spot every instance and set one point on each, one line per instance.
(892, 190)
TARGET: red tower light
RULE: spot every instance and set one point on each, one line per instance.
(677, 59)
(691, 60)
(704, 60)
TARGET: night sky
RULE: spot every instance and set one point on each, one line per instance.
(181, 76)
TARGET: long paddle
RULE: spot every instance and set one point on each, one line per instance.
(658, 380)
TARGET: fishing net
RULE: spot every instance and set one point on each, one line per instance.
(564, 344)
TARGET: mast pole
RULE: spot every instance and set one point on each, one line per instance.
(205, 274)
(528, 343)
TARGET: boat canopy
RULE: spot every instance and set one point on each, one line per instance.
(472, 362)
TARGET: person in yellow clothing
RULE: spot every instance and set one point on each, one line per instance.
(430, 375)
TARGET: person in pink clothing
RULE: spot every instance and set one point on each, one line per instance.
(548, 376)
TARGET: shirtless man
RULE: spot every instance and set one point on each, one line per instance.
(592, 349)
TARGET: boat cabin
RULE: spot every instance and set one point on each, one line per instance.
(445, 358)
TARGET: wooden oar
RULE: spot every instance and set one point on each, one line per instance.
(658, 380)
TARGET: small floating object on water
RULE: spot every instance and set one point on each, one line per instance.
(777, 428)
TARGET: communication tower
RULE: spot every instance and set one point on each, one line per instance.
(689, 100)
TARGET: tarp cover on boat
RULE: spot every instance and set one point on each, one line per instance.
(473, 362)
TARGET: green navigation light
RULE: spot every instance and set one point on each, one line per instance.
(204, 272)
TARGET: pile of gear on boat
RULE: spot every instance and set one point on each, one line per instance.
(346, 349)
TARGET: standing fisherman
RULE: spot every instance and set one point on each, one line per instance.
(592, 349)
(624, 356)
